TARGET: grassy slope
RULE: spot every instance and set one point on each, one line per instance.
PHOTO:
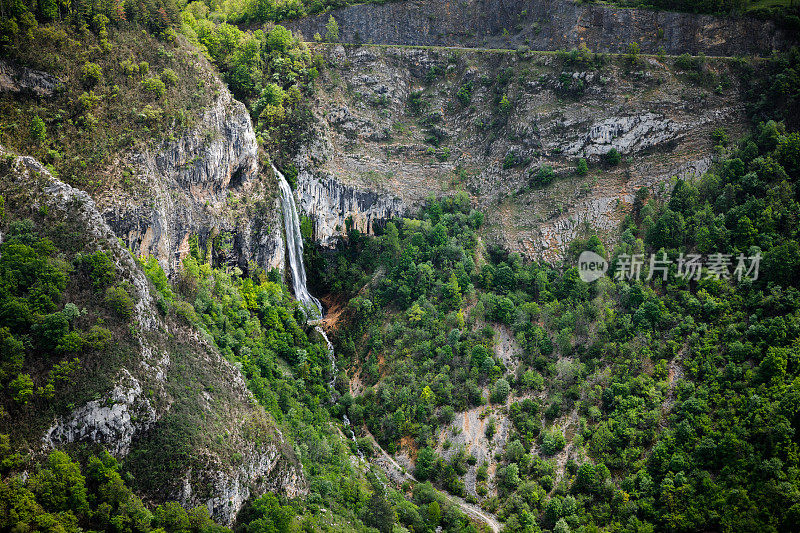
(89, 122)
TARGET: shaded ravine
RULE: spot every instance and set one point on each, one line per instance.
(311, 305)
(294, 245)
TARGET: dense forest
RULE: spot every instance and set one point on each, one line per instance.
(602, 351)
(663, 403)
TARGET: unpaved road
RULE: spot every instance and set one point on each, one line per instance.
(396, 473)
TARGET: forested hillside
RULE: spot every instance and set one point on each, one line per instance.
(101, 358)
(631, 405)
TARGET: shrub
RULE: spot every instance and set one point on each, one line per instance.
(613, 157)
(156, 274)
(128, 68)
(49, 9)
(72, 342)
(150, 115)
(511, 160)
(169, 77)
(154, 87)
(102, 269)
(332, 30)
(279, 39)
(544, 176)
(685, 62)
(38, 130)
(50, 329)
(504, 105)
(21, 388)
(581, 167)
(720, 136)
(415, 101)
(491, 428)
(186, 312)
(500, 391)
(87, 101)
(13, 351)
(91, 74)
(464, 94)
(633, 52)
(118, 299)
(553, 441)
(99, 338)
(272, 94)
(532, 380)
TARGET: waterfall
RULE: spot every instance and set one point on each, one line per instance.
(294, 243)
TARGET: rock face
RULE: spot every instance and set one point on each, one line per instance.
(264, 470)
(547, 25)
(201, 184)
(333, 206)
(111, 424)
(375, 154)
(148, 383)
(20, 79)
(626, 134)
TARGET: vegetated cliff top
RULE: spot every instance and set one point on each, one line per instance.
(104, 96)
(143, 123)
(548, 25)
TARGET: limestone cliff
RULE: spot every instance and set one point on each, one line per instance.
(135, 400)
(377, 153)
(202, 181)
(547, 25)
(333, 205)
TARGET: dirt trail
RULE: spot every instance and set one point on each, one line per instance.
(396, 473)
(502, 50)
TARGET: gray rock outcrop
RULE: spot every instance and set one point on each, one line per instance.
(204, 183)
(547, 25)
(333, 205)
(20, 79)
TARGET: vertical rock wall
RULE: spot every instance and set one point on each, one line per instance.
(206, 182)
(547, 25)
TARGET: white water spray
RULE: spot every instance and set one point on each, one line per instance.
(294, 243)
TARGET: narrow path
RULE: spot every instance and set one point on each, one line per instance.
(504, 50)
(396, 473)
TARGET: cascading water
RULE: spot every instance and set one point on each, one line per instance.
(294, 243)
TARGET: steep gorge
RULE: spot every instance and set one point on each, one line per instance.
(392, 126)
